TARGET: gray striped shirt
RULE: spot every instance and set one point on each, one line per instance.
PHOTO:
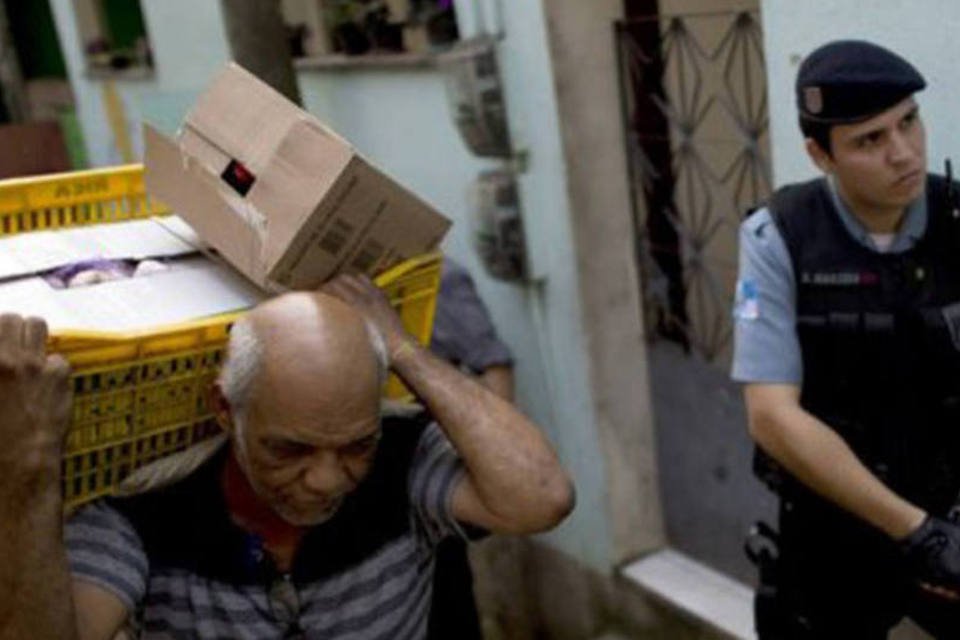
(376, 584)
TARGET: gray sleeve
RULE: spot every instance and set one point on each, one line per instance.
(434, 474)
(766, 347)
(103, 548)
(463, 332)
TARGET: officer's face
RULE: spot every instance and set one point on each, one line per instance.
(880, 164)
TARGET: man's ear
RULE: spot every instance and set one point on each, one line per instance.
(818, 155)
(220, 406)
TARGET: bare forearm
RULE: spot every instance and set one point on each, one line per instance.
(35, 583)
(822, 461)
(513, 468)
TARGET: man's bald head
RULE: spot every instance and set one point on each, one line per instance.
(302, 340)
(301, 386)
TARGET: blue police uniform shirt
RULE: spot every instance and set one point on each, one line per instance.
(766, 347)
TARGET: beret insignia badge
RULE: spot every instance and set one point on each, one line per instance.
(813, 99)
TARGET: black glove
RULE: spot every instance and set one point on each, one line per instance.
(933, 552)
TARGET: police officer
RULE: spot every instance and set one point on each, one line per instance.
(847, 327)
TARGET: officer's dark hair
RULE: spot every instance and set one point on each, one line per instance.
(819, 132)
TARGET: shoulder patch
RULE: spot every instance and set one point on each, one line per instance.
(747, 302)
(760, 229)
(757, 224)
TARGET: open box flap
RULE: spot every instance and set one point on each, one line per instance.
(236, 232)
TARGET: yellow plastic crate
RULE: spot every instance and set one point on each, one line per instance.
(76, 198)
(141, 396)
(412, 288)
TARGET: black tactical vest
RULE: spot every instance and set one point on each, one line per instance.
(878, 335)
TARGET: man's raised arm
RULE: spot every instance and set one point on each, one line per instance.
(514, 481)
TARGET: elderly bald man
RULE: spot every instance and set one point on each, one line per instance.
(320, 518)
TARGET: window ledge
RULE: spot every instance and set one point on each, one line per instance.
(704, 594)
(378, 61)
(130, 73)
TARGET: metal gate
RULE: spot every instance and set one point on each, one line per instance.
(695, 111)
(695, 114)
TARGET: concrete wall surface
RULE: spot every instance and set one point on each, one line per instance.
(922, 31)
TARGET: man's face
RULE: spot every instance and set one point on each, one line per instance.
(880, 164)
(303, 456)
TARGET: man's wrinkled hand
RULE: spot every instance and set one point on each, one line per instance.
(359, 292)
(933, 554)
(35, 396)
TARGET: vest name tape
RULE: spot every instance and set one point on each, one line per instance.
(840, 278)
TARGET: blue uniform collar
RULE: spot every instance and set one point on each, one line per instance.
(912, 227)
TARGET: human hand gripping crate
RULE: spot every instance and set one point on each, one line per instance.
(142, 395)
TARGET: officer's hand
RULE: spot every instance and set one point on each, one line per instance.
(34, 395)
(933, 553)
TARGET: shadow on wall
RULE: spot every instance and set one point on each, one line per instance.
(710, 496)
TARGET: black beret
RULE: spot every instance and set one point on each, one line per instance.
(851, 80)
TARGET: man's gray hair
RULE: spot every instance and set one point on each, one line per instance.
(379, 346)
(245, 356)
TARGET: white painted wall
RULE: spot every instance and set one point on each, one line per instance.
(925, 32)
(399, 119)
(479, 17)
(189, 44)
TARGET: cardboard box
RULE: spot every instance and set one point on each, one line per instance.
(284, 199)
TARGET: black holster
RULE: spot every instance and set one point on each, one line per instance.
(772, 617)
